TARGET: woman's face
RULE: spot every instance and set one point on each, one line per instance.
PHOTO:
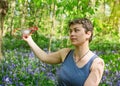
(78, 36)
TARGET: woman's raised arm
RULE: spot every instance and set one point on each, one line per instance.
(50, 58)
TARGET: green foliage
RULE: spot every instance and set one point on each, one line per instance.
(11, 43)
(51, 17)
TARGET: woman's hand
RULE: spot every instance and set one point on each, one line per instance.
(27, 38)
(27, 32)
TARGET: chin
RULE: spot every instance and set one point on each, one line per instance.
(74, 44)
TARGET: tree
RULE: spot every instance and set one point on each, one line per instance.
(3, 11)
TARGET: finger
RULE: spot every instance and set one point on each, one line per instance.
(24, 36)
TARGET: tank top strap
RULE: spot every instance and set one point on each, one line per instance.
(88, 65)
(69, 53)
(92, 59)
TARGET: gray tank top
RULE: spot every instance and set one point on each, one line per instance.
(70, 75)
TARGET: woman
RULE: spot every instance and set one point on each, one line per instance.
(80, 66)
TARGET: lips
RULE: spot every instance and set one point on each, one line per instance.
(73, 39)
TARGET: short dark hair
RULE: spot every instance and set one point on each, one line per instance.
(86, 24)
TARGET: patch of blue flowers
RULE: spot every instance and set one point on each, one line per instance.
(21, 67)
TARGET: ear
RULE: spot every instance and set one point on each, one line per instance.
(88, 34)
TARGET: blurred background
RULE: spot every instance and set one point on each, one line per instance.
(20, 67)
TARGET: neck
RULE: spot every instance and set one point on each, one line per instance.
(81, 50)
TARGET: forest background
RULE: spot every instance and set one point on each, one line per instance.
(20, 67)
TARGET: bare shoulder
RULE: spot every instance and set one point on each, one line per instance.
(98, 63)
(63, 52)
(98, 60)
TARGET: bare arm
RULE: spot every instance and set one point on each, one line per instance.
(96, 73)
(51, 58)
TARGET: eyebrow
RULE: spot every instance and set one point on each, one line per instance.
(74, 28)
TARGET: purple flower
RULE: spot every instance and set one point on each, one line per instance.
(21, 84)
(117, 74)
(31, 55)
(118, 83)
(109, 83)
(13, 65)
(6, 79)
(51, 76)
(43, 69)
(37, 70)
(1, 85)
(104, 78)
(106, 72)
(29, 70)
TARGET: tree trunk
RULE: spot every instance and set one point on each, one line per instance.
(1, 26)
(3, 11)
(1, 33)
(52, 26)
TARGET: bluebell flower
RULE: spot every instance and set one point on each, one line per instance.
(1, 85)
(117, 74)
(43, 69)
(37, 70)
(118, 83)
(29, 70)
(104, 78)
(106, 72)
(51, 76)
(31, 55)
(7, 80)
(109, 83)
(21, 84)
(13, 65)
